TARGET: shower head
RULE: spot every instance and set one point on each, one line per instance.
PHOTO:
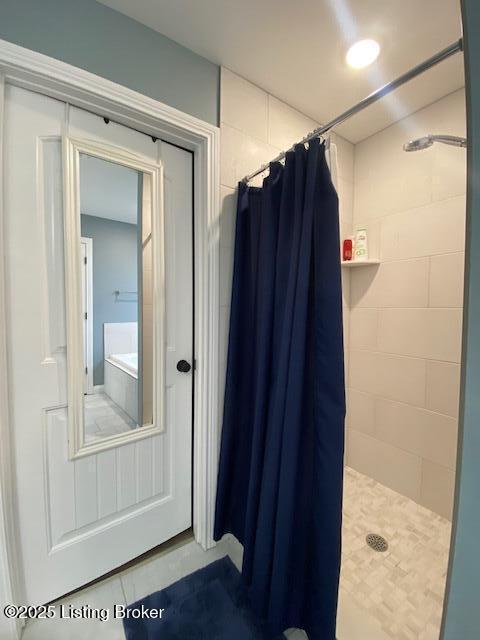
(418, 144)
(427, 141)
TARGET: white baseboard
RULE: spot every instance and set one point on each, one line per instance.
(98, 388)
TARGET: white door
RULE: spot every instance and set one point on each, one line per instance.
(80, 519)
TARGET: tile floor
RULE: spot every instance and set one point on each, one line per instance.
(397, 594)
(104, 418)
(126, 587)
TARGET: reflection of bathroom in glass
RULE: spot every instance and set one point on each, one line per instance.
(115, 208)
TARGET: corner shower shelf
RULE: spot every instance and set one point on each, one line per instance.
(359, 263)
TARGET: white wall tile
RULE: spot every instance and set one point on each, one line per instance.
(345, 157)
(386, 194)
(240, 155)
(228, 210)
(346, 319)
(345, 206)
(447, 115)
(446, 280)
(397, 469)
(360, 411)
(443, 387)
(449, 171)
(243, 105)
(346, 290)
(436, 228)
(424, 333)
(286, 125)
(438, 487)
(231, 144)
(391, 284)
(363, 328)
(382, 154)
(226, 274)
(427, 434)
(387, 179)
(395, 377)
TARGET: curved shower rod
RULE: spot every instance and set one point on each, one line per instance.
(442, 55)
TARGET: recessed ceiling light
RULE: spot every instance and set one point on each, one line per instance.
(362, 53)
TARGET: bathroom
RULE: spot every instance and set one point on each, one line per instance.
(131, 452)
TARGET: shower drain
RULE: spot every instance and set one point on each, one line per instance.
(376, 542)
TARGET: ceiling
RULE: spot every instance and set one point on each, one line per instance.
(296, 49)
(108, 190)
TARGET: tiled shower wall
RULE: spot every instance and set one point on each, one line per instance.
(255, 127)
(406, 314)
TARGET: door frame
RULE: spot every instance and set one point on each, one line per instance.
(40, 73)
(88, 242)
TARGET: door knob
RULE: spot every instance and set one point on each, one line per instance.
(183, 366)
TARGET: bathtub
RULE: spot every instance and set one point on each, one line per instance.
(127, 362)
(120, 371)
(121, 382)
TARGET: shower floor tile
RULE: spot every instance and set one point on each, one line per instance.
(403, 587)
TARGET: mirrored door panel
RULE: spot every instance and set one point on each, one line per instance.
(112, 224)
(115, 227)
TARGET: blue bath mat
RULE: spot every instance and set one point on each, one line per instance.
(209, 604)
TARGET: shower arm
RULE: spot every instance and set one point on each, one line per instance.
(454, 141)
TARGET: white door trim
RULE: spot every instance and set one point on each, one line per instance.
(10, 576)
(37, 72)
(88, 242)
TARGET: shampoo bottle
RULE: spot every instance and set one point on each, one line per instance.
(361, 246)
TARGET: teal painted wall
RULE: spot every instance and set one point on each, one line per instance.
(462, 613)
(115, 255)
(91, 36)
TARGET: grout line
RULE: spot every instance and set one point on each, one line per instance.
(412, 209)
(429, 274)
(420, 456)
(424, 308)
(249, 135)
(263, 90)
(377, 396)
(391, 354)
(377, 327)
(226, 186)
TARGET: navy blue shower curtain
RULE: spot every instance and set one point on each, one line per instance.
(281, 459)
